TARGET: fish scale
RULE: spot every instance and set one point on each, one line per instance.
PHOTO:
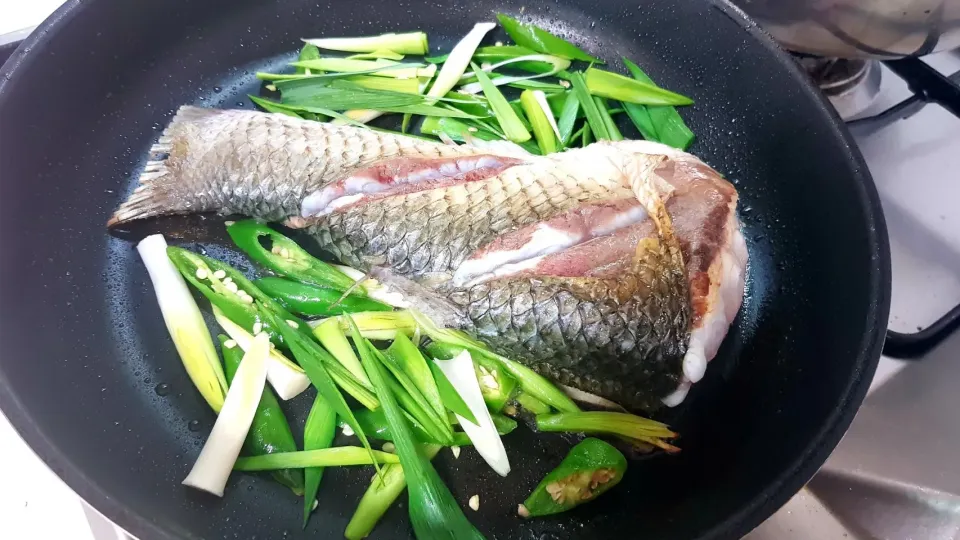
(623, 338)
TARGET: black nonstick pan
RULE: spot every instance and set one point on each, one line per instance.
(91, 380)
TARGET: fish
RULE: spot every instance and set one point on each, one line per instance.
(615, 269)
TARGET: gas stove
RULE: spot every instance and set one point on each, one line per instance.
(893, 477)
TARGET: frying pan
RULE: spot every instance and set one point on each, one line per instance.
(90, 379)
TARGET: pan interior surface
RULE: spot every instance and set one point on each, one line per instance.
(90, 378)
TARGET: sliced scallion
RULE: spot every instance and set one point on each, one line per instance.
(615, 86)
(568, 118)
(590, 110)
(341, 456)
(434, 512)
(543, 125)
(507, 118)
(609, 423)
(219, 453)
(612, 131)
(184, 322)
(318, 434)
(406, 43)
(538, 39)
(458, 60)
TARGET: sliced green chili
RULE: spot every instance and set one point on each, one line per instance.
(590, 469)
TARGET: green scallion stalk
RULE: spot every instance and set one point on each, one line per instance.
(666, 121)
(340, 456)
(184, 322)
(406, 43)
(318, 434)
(530, 381)
(379, 53)
(609, 423)
(381, 325)
(608, 122)
(542, 125)
(404, 86)
(538, 39)
(272, 106)
(615, 86)
(556, 64)
(308, 52)
(434, 512)
(408, 358)
(590, 109)
(509, 122)
(330, 335)
(380, 496)
(310, 356)
(413, 402)
(568, 118)
(531, 404)
(449, 396)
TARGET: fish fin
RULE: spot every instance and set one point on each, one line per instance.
(440, 310)
(154, 196)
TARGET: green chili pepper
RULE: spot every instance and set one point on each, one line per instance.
(285, 257)
(496, 385)
(589, 470)
(228, 289)
(269, 431)
(313, 301)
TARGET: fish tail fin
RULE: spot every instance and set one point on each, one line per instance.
(160, 190)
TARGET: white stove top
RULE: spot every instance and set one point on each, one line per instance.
(914, 164)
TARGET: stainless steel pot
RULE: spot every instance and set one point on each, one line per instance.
(859, 28)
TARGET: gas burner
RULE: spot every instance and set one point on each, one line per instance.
(851, 85)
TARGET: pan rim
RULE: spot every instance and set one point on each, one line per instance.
(761, 507)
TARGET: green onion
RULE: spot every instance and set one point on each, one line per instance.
(543, 125)
(509, 122)
(184, 322)
(318, 434)
(380, 325)
(530, 381)
(305, 95)
(404, 86)
(285, 377)
(449, 396)
(331, 336)
(640, 116)
(380, 495)
(494, 53)
(378, 68)
(340, 456)
(587, 135)
(538, 39)
(531, 404)
(269, 432)
(407, 43)
(568, 117)
(308, 52)
(413, 401)
(434, 513)
(380, 53)
(609, 423)
(458, 60)
(558, 64)
(590, 109)
(615, 86)
(272, 106)
(310, 356)
(212, 468)
(608, 122)
(462, 374)
(667, 122)
(408, 358)
(455, 129)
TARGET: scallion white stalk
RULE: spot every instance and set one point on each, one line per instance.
(406, 43)
(558, 64)
(461, 374)
(287, 378)
(184, 322)
(212, 469)
(459, 59)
